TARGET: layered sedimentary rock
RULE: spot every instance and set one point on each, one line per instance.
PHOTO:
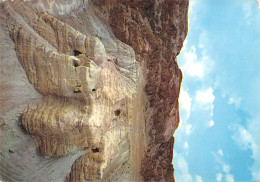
(93, 91)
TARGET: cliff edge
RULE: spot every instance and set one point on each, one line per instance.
(89, 89)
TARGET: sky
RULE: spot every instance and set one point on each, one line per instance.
(218, 138)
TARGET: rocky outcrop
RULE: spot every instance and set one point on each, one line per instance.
(100, 88)
(156, 31)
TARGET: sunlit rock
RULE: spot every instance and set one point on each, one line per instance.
(89, 89)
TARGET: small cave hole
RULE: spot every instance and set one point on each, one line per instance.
(95, 150)
(75, 63)
(117, 112)
(93, 90)
(11, 151)
(76, 52)
(77, 91)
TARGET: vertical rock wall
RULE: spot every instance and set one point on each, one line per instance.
(98, 86)
(156, 30)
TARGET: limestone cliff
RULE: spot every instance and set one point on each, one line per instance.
(89, 89)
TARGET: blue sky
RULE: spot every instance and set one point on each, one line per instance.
(219, 135)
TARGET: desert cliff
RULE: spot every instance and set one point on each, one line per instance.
(89, 89)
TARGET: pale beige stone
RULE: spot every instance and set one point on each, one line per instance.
(77, 102)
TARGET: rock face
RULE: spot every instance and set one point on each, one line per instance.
(89, 89)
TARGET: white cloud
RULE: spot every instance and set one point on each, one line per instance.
(205, 97)
(250, 139)
(226, 168)
(185, 109)
(219, 177)
(186, 145)
(229, 178)
(211, 123)
(204, 101)
(256, 176)
(243, 138)
(220, 152)
(192, 13)
(196, 65)
(247, 10)
(188, 129)
(192, 66)
(192, 6)
(212, 109)
(198, 178)
(256, 173)
(185, 104)
(181, 169)
(235, 101)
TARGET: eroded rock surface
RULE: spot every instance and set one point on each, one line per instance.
(90, 88)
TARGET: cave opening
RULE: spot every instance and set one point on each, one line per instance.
(76, 63)
(117, 112)
(76, 52)
(95, 150)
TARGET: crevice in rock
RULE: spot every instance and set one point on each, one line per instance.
(95, 150)
(76, 52)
